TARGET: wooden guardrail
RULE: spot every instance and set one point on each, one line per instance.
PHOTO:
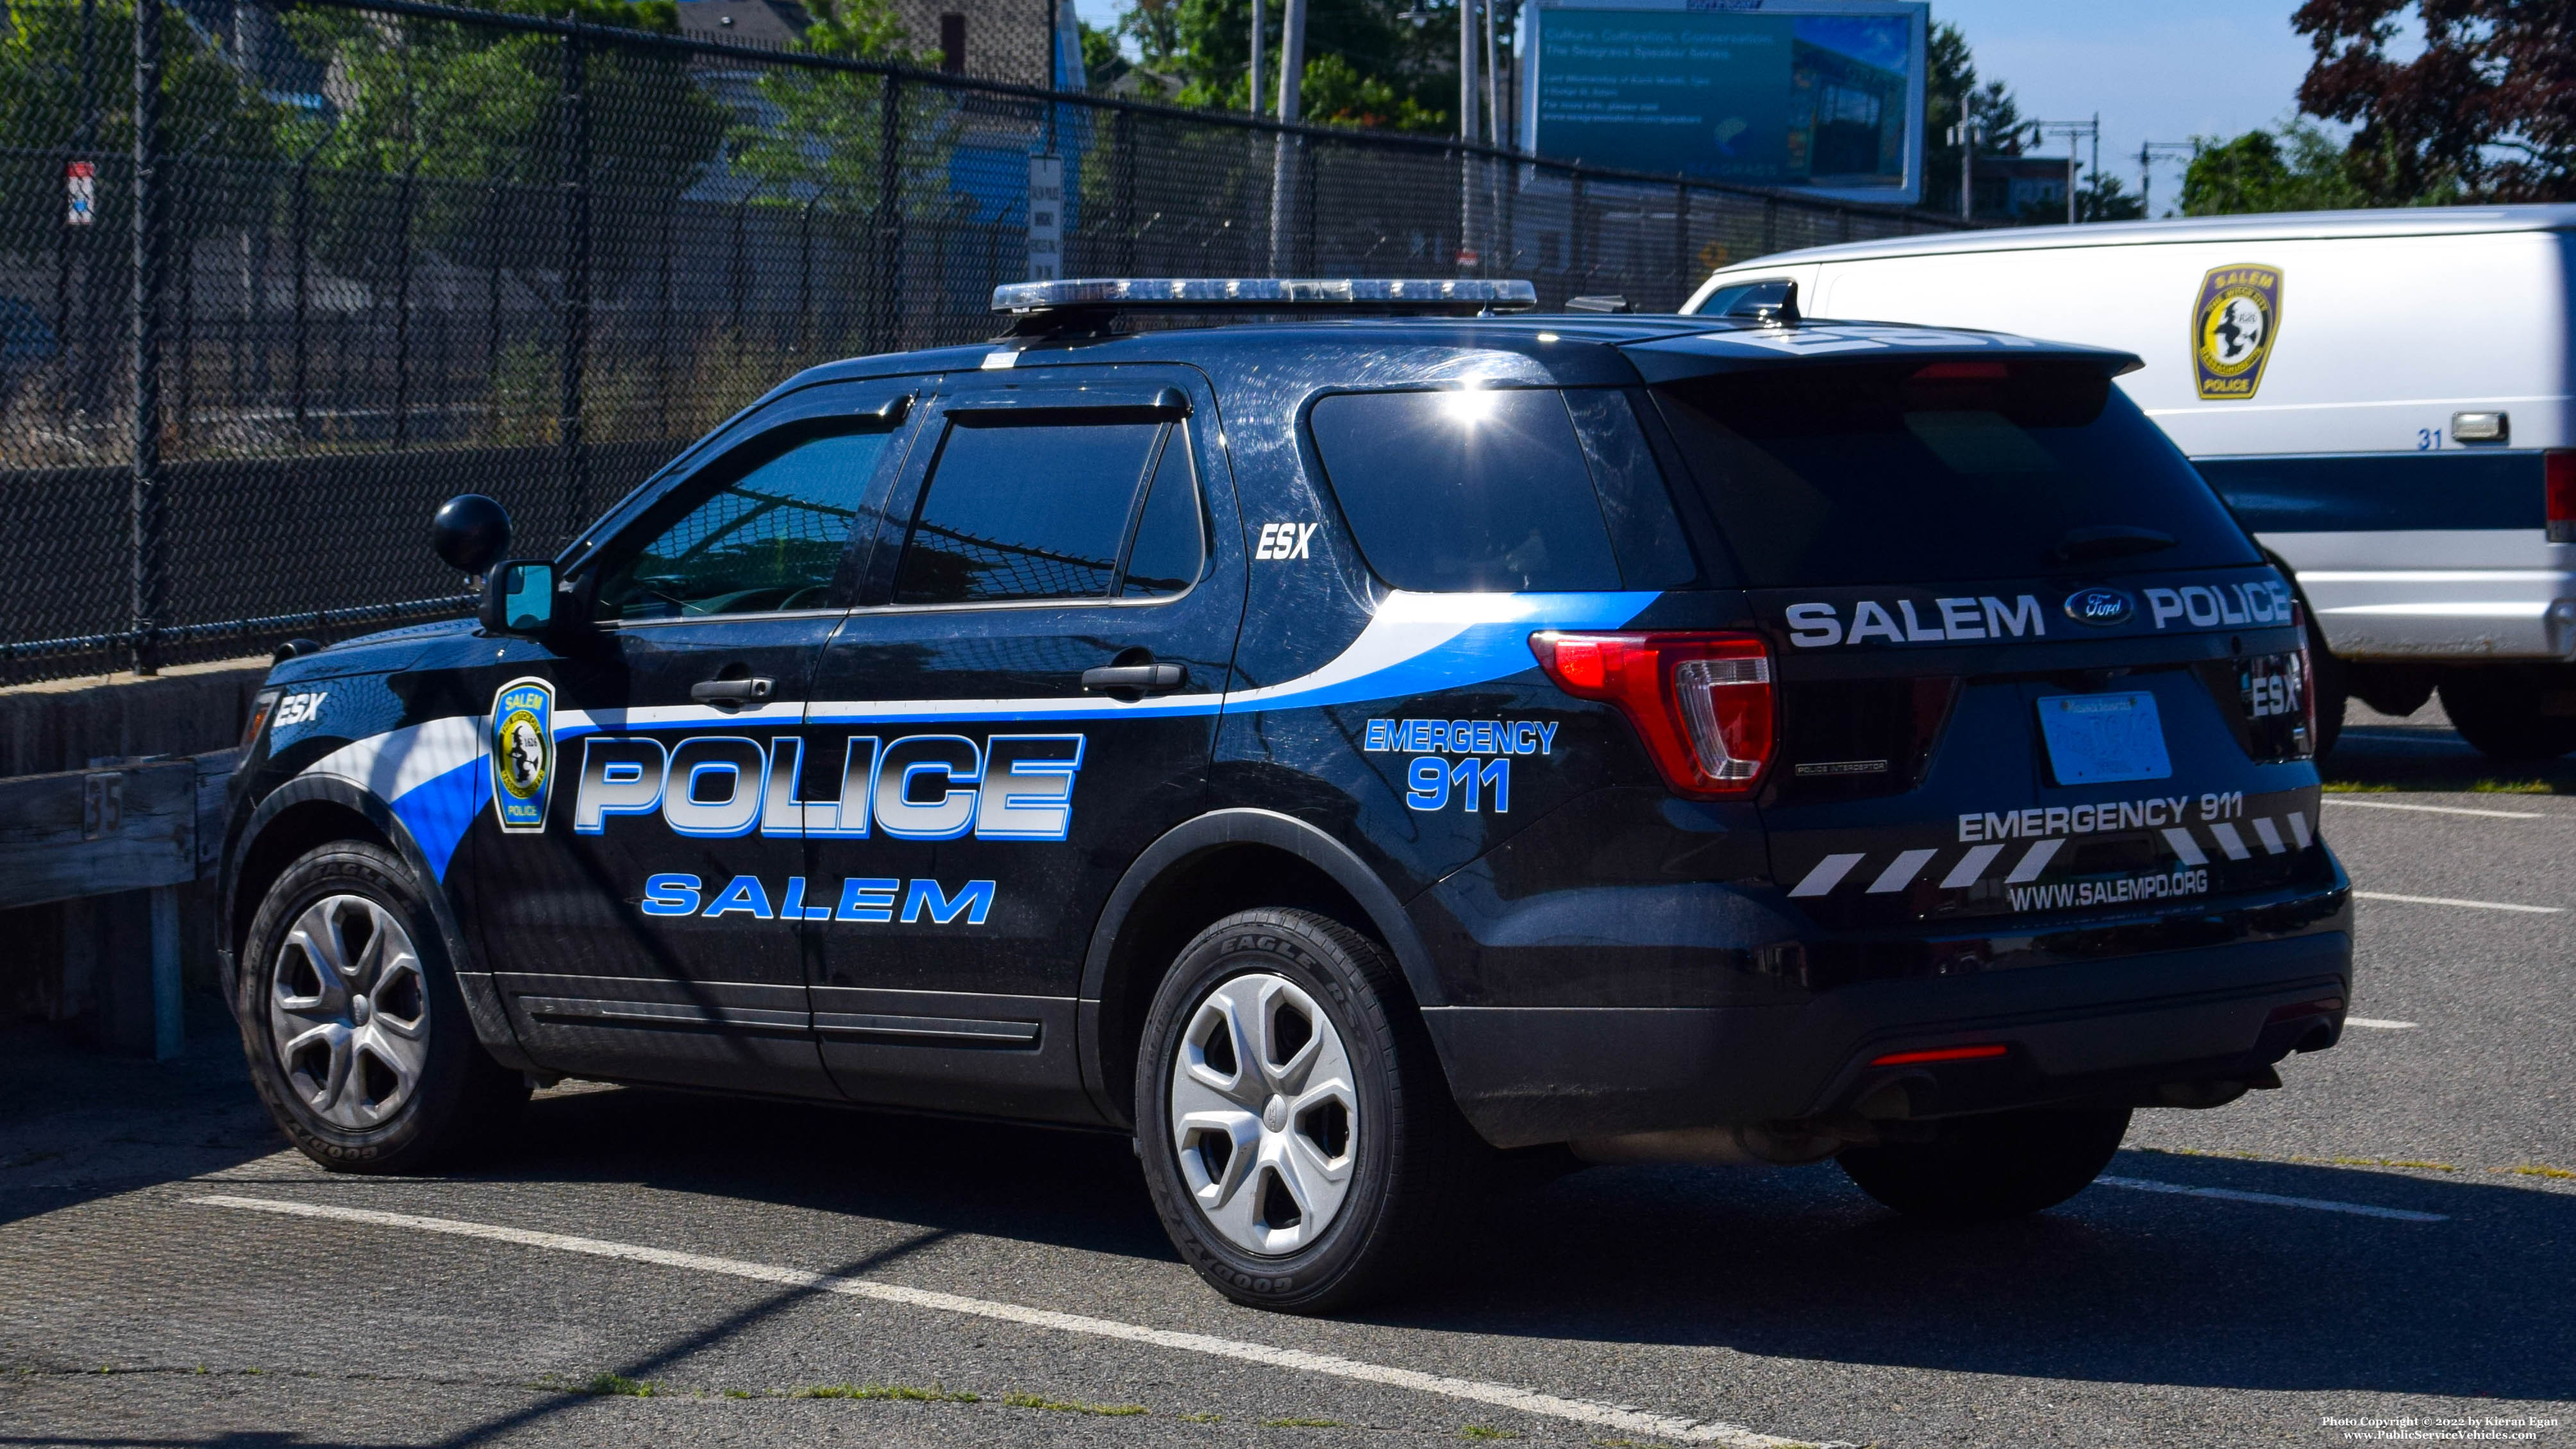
(146, 826)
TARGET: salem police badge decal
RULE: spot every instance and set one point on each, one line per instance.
(523, 754)
(2232, 327)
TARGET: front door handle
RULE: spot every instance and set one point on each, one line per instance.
(1135, 678)
(732, 691)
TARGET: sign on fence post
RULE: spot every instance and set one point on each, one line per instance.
(1046, 218)
(80, 193)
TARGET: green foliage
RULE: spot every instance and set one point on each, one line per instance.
(821, 142)
(207, 107)
(1386, 67)
(1102, 62)
(1073, 1406)
(2103, 197)
(1951, 91)
(2294, 167)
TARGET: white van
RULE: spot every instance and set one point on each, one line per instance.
(2382, 396)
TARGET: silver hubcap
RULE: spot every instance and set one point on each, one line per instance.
(349, 1012)
(1264, 1114)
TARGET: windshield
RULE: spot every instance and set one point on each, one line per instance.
(1877, 472)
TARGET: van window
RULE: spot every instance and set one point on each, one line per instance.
(1466, 490)
(1880, 472)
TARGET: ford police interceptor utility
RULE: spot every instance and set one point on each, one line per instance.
(1334, 750)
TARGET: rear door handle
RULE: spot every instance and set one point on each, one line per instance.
(1140, 678)
(731, 691)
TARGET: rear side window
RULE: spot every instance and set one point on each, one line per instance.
(1014, 510)
(1875, 473)
(1466, 490)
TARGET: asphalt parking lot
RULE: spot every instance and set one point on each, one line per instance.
(2386, 1238)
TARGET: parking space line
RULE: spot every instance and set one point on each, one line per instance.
(1505, 1396)
(2377, 1024)
(2437, 809)
(2313, 1204)
(2455, 901)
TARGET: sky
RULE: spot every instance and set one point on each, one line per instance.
(2166, 71)
(2162, 71)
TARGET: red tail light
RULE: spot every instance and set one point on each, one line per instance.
(2558, 469)
(1702, 703)
(1943, 1054)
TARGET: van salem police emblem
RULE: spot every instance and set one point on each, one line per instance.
(2100, 607)
(523, 754)
(2232, 327)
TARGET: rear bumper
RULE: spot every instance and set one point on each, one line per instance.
(1527, 1075)
(2456, 594)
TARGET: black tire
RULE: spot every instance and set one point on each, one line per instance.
(2003, 1165)
(457, 1097)
(1407, 1147)
(2513, 711)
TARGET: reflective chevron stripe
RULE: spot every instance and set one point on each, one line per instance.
(1906, 868)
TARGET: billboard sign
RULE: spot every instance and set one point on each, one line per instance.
(1819, 95)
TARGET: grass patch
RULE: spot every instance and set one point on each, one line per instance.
(1303, 1424)
(1202, 1418)
(2512, 787)
(2357, 787)
(1072, 1406)
(907, 1393)
(619, 1386)
(2385, 1162)
(1485, 1431)
(2537, 1169)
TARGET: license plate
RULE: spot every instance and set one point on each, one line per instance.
(2095, 739)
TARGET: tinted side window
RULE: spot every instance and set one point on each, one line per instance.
(1171, 541)
(1024, 512)
(772, 538)
(1466, 491)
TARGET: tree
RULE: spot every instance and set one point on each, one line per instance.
(1386, 67)
(2103, 198)
(2294, 167)
(1950, 91)
(2487, 108)
(1102, 62)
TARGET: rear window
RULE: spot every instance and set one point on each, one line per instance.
(1872, 473)
(1466, 490)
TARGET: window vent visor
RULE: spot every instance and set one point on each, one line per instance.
(1702, 704)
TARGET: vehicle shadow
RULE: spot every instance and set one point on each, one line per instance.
(2119, 1285)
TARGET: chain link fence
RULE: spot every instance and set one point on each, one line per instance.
(274, 280)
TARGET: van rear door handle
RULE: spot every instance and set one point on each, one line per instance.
(731, 691)
(1137, 678)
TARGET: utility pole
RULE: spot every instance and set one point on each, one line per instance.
(1468, 253)
(1260, 25)
(1493, 79)
(1964, 136)
(1283, 162)
(2147, 153)
(2072, 130)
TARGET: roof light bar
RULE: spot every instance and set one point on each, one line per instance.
(1450, 295)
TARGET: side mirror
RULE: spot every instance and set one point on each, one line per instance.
(519, 597)
(470, 531)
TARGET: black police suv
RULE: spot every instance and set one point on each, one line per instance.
(1334, 749)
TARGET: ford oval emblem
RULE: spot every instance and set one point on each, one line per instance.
(2099, 607)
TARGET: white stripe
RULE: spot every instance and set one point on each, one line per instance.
(2033, 862)
(2313, 1204)
(2229, 841)
(2453, 901)
(2434, 809)
(2299, 829)
(1970, 866)
(1504, 1396)
(2186, 847)
(1902, 872)
(2376, 1024)
(391, 764)
(1829, 873)
(2270, 837)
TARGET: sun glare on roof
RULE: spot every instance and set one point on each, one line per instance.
(1469, 406)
